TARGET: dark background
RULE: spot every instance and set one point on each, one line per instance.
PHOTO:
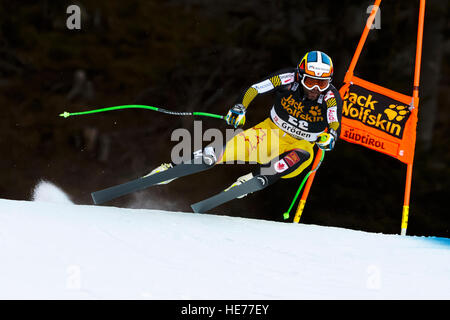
(200, 56)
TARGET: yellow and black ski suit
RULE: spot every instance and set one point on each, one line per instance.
(283, 143)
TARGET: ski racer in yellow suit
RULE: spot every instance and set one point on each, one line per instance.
(307, 109)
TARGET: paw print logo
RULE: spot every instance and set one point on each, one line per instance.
(396, 112)
(315, 111)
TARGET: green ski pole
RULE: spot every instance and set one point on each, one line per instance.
(287, 213)
(137, 106)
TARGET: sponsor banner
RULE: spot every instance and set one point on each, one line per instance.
(379, 119)
(375, 110)
(369, 140)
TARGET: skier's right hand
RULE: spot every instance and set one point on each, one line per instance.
(236, 115)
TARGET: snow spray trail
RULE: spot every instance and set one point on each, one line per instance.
(46, 191)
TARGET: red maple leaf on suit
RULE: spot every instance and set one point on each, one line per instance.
(281, 166)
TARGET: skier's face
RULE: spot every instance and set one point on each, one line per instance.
(312, 94)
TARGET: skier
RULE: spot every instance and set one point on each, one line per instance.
(307, 110)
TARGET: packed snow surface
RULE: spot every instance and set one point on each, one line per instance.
(51, 248)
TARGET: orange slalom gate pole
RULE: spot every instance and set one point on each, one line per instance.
(301, 205)
(415, 102)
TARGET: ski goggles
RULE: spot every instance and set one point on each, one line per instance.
(311, 83)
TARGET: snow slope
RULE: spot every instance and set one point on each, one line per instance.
(59, 250)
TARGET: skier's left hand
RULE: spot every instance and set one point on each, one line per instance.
(236, 116)
(326, 140)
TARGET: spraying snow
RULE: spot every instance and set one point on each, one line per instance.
(48, 192)
(54, 250)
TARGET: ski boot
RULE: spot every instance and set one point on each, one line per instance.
(162, 167)
(240, 181)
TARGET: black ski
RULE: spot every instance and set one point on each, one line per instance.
(255, 184)
(177, 171)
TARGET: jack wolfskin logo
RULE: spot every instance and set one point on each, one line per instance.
(298, 110)
(396, 112)
(375, 110)
(315, 111)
